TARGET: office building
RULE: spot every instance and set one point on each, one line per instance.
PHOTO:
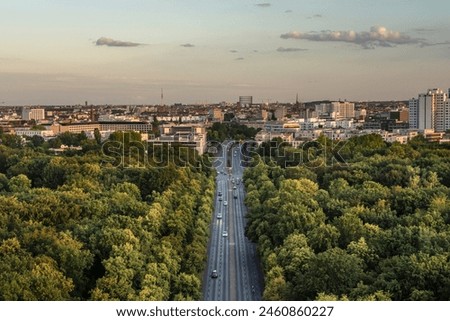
(245, 101)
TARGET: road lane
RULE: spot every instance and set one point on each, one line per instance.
(233, 256)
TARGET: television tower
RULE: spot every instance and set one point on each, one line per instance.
(162, 97)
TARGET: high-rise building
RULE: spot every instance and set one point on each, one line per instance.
(343, 109)
(336, 110)
(413, 113)
(447, 114)
(30, 114)
(245, 101)
(429, 111)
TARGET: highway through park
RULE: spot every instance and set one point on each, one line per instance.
(233, 270)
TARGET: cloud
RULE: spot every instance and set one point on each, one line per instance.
(376, 37)
(288, 11)
(281, 49)
(187, 45)
(233, 51)
(103, 41)
(240, 58)
(263, 5)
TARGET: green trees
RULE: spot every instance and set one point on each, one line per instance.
(222, 131)
(374, 229)
(74, 228)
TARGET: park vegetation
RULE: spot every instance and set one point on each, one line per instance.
(366, 220)
(88, 225)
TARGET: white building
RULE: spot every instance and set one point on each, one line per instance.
(188, 135)
(336, 110)
(430, 111)
(32, 132)
(33, 114)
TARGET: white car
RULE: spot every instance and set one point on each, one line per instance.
(224, 233)
(219, 215)
(225, 203)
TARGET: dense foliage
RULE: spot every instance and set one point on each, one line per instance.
(375, 227)
(219, 132)
(84, 227)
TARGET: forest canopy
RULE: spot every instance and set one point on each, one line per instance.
(74, 227)
(373, 227)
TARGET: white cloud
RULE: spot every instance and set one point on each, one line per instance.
(187, 45)
(377, 37)
(103, 41)
(263, 5)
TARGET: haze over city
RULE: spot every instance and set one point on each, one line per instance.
(108, 52)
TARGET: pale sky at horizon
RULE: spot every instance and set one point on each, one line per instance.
(207, 51)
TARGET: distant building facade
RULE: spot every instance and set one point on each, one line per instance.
(33, 114)
(142, 127)
(280, 113)
(336, 110)
(245, 101)
(431, 110)
(188, 135)
(217, 114)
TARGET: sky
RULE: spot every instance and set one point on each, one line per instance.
(207, 51)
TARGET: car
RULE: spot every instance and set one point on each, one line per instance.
(225, 203)
(219, 215)
(220, 199)
(220, 193)
(214, 274)
(234, 187)
(224, 233)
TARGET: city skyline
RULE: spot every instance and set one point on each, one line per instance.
(113, 52)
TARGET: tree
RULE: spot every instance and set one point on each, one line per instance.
(333, 271)
(37, 141)
(20, 183)
(276, 287)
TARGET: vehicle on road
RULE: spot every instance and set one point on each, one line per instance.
(225, 203)
(214, 274)
(219, 215)
(220, 193)
(220, 199)
(224, 233)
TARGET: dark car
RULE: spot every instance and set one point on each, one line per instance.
(214, 274)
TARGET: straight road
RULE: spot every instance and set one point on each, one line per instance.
(230, 253)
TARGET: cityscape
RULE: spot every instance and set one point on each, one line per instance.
(294, 123)
(225, 151)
